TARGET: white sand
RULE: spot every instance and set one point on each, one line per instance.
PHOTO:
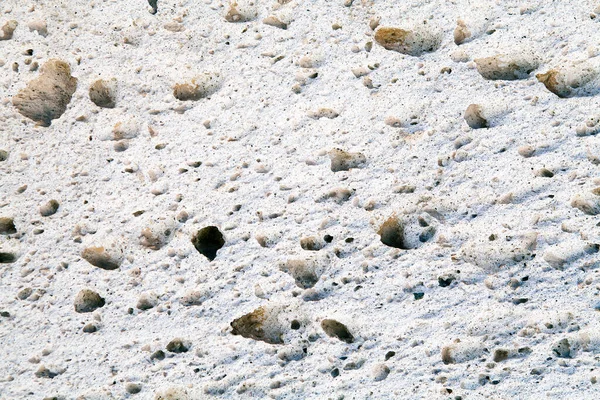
(263, 141)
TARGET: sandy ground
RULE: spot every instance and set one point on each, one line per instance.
(369, 233)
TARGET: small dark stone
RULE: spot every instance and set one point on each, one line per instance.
(427, 234)
(500, 355)
(518, 301)
(392, 233)
(24, 293)
(445, 281)
(4, 314)
(208, 241)
(44, 372)
(336, 329)
(335, 372)
(418, 296)
(295, 324)
(7, 226)
(349, 240)
(7, 258)
(524, 350)
(422, 222)
(389, 355)
(353, 365)
(545, 173)
(154, 5)
(536, 371)
(328, 238)
(158, 355)
(483, 379)
(313, 337)
(138, 213)
(3, 155)
(177, 346)
(90, 328)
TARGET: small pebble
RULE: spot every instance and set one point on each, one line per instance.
(133, 388)
(102, 93)
(178, 346)
(474, 117)
(7, 258)
(526, 151)
(380, 372)
(90, 328)
(107, 259)
(50, 208)
(274, 21)
(87, 301)
(147, 301)
(337, 330)
(158, 355)
(7, 226)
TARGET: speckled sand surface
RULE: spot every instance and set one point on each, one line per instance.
(491, 292)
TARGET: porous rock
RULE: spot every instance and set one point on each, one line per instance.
(412, 42)
(46, 97)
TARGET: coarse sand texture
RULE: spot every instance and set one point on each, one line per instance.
(299, 199)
